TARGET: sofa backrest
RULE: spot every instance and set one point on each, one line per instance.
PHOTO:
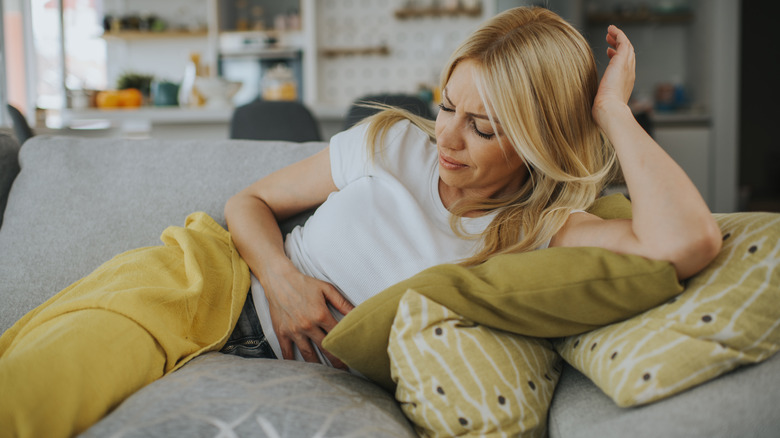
(78, 202)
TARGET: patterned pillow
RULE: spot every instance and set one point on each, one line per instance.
(456, 377)
(728, 315)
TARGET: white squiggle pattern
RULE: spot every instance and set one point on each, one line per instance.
(727, 316)
(226, 396)
(457, 377)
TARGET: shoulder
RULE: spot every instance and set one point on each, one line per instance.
(398, 146)
(391, 140)
(360, 132)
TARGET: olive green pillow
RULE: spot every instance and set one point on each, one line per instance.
(728, 315)
(547, 293)
(458, 378)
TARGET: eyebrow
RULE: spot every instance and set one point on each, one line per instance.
(476, 116)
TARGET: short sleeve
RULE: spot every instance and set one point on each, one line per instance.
(349, 155)
(349, 159)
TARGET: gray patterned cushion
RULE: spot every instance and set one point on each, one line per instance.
(223, 395)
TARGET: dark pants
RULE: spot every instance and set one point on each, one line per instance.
(248, 339)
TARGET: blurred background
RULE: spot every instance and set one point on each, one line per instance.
(706, 69)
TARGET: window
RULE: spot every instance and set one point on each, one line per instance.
(83, 50)
(35, 75)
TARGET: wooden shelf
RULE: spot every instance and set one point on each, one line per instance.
(146, 35)
(406, 13)
(641, 18)
(333, 52)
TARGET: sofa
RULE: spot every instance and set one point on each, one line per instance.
(69, 204)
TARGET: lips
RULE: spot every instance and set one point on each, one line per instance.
(450, 164)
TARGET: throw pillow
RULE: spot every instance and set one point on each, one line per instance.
(727, 316)
(547, 293)
(459, 378)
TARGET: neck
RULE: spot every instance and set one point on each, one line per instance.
(451, 195)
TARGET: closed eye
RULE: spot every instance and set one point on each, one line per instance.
(481, 134)
(484, 135)
(444, 108)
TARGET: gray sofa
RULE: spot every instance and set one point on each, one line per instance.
(77, 202)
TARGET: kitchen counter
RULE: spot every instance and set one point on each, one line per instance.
(684, 117)
(166, 122)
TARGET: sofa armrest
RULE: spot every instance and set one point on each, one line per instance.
(9, 168)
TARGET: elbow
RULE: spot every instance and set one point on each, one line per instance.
(698, 251)
(231, 207)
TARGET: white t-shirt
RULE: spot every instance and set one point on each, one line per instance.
(385, 224)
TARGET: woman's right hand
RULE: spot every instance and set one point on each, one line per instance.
(300, 313)
(298, 304)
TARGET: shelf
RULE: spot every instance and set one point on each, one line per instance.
(640, 18)
(263, 53)
(146, 35)
(354, 51)
(405, 13)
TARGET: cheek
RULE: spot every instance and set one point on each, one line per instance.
(492, 156)
(439, 124)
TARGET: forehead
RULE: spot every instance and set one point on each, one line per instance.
(463, 79)
(463, 89)
(462, 83)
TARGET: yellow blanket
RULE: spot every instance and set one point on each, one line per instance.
(155, 307)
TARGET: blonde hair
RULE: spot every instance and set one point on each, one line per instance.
(536, 74)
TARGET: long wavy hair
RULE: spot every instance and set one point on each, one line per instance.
(536, 74)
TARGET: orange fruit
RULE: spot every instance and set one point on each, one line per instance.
(131, 97)
(107, 99)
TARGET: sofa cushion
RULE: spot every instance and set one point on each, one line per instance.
(458, 378)
(728, 315)
(225, 395)
(742, 403)
(78, 202)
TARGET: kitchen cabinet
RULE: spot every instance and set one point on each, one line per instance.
(351, 48)
(689, 43)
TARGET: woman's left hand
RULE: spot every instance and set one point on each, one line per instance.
(618, 80)
(670, 220)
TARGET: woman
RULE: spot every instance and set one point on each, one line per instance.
(524, 136)
(523, 145)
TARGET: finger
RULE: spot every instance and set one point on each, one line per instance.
(335, 361)
(611, 40)
(287, 350)
(307, 351)
(618, 39)
(338, 301)
(612, 34)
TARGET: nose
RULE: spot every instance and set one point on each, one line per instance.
(448, 132)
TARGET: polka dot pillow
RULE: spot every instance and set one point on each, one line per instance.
(728, 315)
(454, 377)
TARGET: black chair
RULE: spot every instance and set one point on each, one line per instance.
(411, 103)
(274, 120)
(21, 129)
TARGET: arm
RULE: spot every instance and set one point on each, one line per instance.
(298, 303)
(670, 221)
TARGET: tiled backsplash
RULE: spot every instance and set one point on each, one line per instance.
(417, 48)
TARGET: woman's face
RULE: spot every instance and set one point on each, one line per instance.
(471, 159)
